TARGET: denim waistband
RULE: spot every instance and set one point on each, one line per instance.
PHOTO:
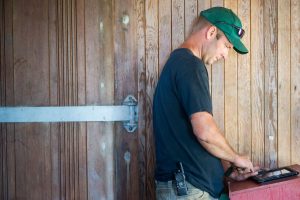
(165, 183)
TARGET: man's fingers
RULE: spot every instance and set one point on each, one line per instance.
(240, 170)
(243, 162)
(253, 174)
(243, 170)
(247, 175)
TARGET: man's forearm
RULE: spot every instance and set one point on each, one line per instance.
(218, 146)
(211, 138)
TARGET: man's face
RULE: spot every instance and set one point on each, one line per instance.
(216, 49)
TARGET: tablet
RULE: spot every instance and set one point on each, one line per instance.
(274, 174)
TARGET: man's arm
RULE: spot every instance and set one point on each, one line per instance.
(212, 139)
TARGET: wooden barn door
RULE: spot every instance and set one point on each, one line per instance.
(96, 52)
(70, 53)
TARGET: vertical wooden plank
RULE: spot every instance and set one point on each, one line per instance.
(73, 76)
(69, 100)
(60, 136)
(190, 14)
(68, 91)
(72, 92)
(270, 55)
(53, 65)
(10, 186)
(284, 83)
(217, 85)
(165, 31)
(177, 23)
(244, 83)
(100, 91)
(230, 91)
(31, 76)
(2, 49)
(74, 100)
(63, 96)
(125, 43)
(257, 81)
(203, 5)
(82, 135)
(152, 69)
(3, 182)
(146, 159)
(295, 81)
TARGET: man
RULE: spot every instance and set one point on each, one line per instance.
(184, 128)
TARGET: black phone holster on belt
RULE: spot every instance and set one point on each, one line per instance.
(180, 181)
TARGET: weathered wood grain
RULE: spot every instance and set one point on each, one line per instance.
(284, 83)
(82, 186)
(295, 82)
(230, 90)
(152, 71)
(203, 5)
(99, 91)
(165, 32)
(10, 186)
(217, 85)
(145, 150)
(190, 14)
(126, 82)
(257, 81)
(177, 23)
(31, 83)
(3, 170)
(271, 81)
(244, 83)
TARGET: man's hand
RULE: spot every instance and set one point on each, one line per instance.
(244, 163)
(239, 175)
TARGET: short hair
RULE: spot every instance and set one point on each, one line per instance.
(199, 23)
(220, 34)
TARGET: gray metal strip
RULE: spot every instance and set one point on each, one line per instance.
(65, 114)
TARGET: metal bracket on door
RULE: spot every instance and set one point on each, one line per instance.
(126, 113)
(131, 124)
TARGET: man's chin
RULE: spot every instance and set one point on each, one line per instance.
(209, 62)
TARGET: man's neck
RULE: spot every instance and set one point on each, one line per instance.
(192, 47)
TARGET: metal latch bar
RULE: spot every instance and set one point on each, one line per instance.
(127, 113)
(64, 114)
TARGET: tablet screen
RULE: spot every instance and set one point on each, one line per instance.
(274, 174)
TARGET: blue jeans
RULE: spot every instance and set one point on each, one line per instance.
(167, 191)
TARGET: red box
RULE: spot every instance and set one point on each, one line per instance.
(284, 189)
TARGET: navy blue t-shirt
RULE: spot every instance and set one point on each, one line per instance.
(182, 90)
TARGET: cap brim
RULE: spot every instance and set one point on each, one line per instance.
(239, 47)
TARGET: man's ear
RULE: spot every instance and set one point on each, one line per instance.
(211, 32)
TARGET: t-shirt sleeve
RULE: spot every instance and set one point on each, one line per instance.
(193, 90)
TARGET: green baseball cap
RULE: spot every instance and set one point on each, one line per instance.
(225, 20)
